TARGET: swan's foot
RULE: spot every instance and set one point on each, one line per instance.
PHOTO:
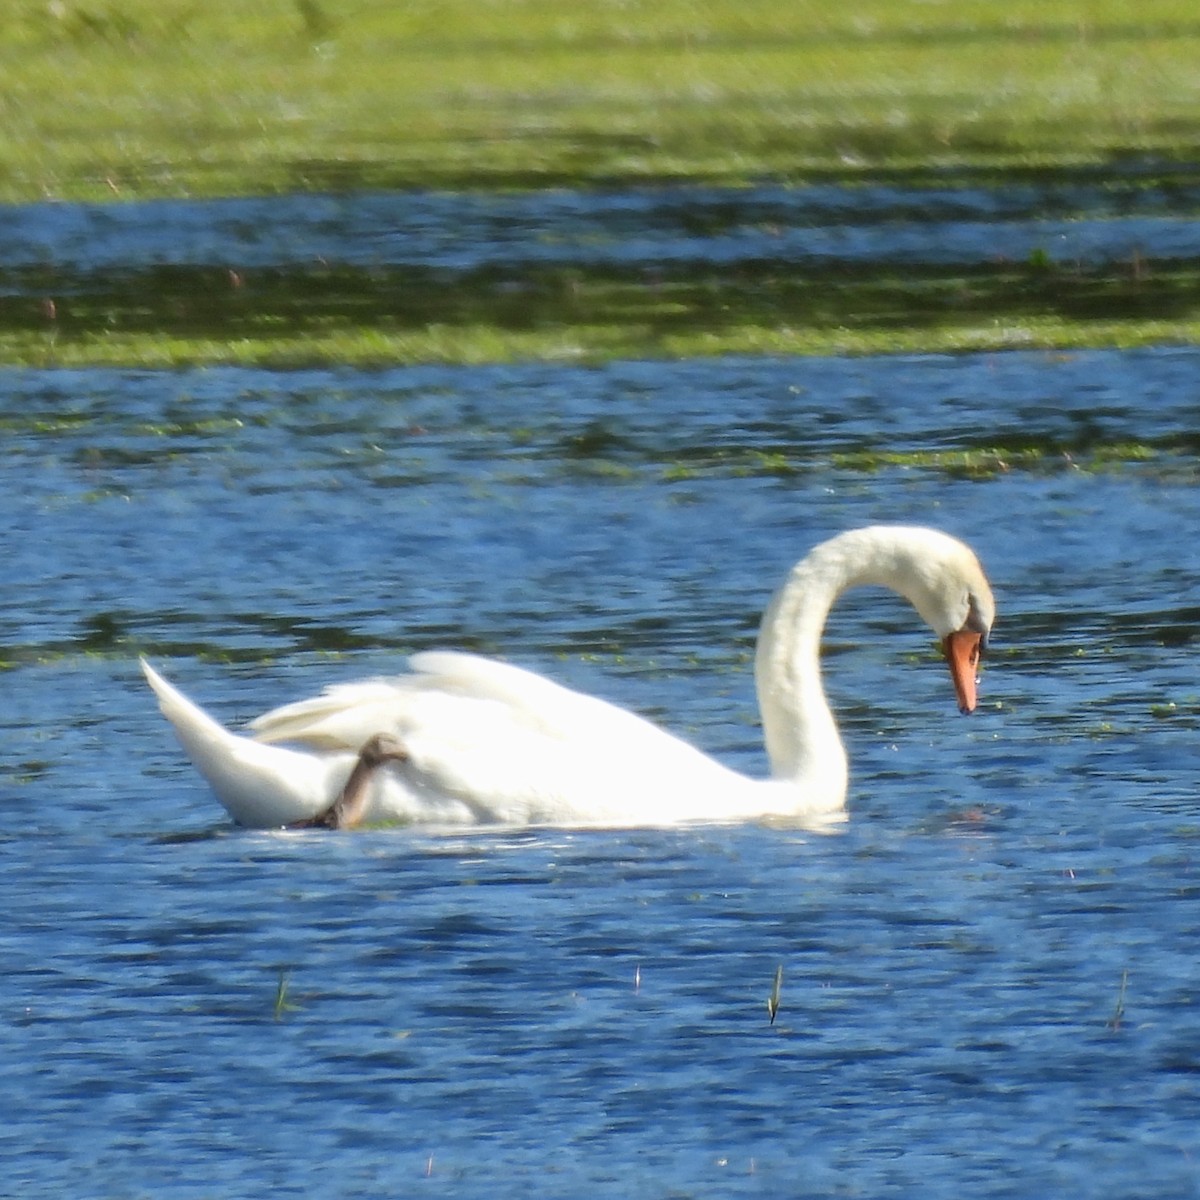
(347, 810)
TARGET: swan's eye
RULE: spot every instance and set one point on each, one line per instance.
(976, 623)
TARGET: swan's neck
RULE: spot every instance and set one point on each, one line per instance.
(801, 735)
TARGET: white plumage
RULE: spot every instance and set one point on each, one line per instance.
(487, 742)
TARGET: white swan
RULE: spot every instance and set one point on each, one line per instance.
(469, 740)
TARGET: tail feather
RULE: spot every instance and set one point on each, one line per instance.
(259, 786)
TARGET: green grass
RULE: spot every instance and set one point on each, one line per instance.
(474, 346)
(153, 97)
(126, 99)
(304, 317)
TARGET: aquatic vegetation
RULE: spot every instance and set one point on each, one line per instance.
(1114, 1022)
(776, 991)
(1173, 455)
(302, 317)
(282, 1004)
(990, 462)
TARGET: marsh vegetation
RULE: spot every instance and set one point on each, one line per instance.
(1083, 112)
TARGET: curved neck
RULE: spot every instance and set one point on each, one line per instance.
(801, 735)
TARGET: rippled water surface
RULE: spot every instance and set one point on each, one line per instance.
(1075, 219)
(610, 273)
(989, 977)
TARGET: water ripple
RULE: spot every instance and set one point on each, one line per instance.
(988, 976)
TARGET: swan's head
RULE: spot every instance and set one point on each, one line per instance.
(943, 580)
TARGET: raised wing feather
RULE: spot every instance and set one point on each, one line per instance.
(505, 739)
(346, 715)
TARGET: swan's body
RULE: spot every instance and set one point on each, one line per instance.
(484, 742)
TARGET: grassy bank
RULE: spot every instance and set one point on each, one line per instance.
(302, 317)
(119, 100)
(104, 98)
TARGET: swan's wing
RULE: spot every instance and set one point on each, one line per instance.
(344, 716)
(506, 741)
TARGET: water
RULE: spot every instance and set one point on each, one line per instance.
(989, 976)
(1073, 219)
(632, 266)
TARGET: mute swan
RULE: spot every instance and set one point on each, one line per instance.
(469, 740)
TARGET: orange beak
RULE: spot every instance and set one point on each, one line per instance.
(962, 653)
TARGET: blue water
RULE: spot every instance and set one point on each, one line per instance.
(1076, 220)
(989, 977)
